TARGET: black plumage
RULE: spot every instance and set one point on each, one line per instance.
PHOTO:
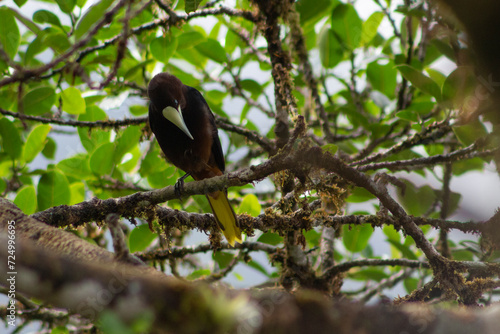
(185, 129)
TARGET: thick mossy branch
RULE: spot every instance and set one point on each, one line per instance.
(174, 306)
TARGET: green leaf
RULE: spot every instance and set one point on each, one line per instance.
(9, 32)
(163, 178)
(128, 140)
(20, 3)
(66, 6)
(404, 249)
(250, 205)
(374, 274)
(44, 16)
(214, 98)
(49, 150)
(251, 86)
(77, 166)
(420, 81)
(257, 266)
(416, 200)
(131, 159)
(162, 48)
(469, 133)
(138, 110)
(81, 3)
(231, 42)
(11, 140)
(411, 284)
(330, 50)
(36, 141)
(57, 41)
(270, 238)
(3, 66)
(191, 5)
(77, 190)
(101, 161)
(35, 47)
(421, 107)
(383, 77)
(213, 50)
(391, 233)
(53, 190)
(436, 75)
(189, 39)
(408, 115)
(459, 87)
(91, 139)
(465, 166)
(370, 27)
(359, 195)
(7, 97)
(91, 16)
(330, 148)
(72, 101)
(26, 200)
(312, 237)
(223, 259)
(313, 13)
(347, 25)
(462, 255)
(356, 238)
(152, 162)
(111, 323)
(193, 57)
(198, 274)
(60, 330)
(94, 99)
(39, 101)
(140, 238)
(27, 22)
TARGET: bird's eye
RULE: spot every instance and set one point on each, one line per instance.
(176, 103)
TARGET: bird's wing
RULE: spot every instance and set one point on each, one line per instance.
(152, 117)
(216, 146)
(217, 152)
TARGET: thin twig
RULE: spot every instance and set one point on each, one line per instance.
(24, 74)
(180, 252)
(385, 284)
(122, 252)
(224, 272)
(468, 152)
(74, 123)
(433, 132)
(390, 18)
(346, 266)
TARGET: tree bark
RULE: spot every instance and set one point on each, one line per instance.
(59, 268)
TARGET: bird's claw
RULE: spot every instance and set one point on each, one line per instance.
(179, 186)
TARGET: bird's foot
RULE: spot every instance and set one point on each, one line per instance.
(179, 185)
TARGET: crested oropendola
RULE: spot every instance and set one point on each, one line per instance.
(184, 126)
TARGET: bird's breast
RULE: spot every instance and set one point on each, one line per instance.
(190, 155)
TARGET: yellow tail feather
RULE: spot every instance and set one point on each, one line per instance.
(225, 217)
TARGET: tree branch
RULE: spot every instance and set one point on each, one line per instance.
(24, 74)
(74, 123)
(91, 288)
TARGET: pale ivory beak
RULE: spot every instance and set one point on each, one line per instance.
(175, 116)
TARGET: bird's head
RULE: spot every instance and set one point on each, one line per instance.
(166, 93)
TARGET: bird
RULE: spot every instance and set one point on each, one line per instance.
(185, 129)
